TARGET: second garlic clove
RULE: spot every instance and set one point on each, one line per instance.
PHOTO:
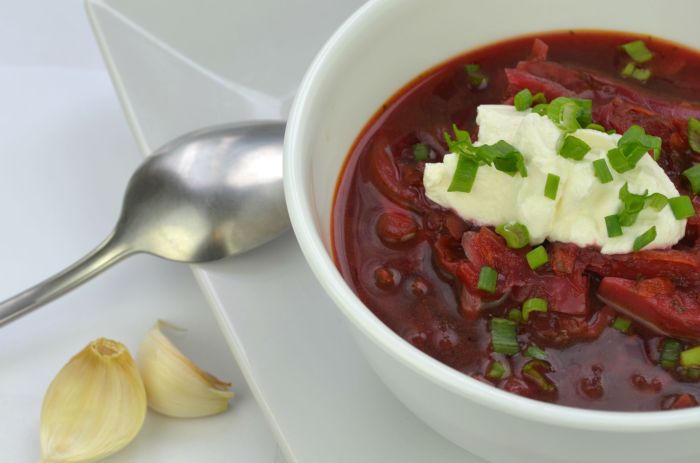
(175, 386)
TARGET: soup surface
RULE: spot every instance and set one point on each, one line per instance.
(413, 262)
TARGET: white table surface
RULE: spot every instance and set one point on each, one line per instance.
(66, 155)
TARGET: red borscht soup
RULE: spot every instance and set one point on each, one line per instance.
(552, 321)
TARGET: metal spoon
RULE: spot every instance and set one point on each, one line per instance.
(209, 194)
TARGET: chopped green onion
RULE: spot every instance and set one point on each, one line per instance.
(515, 315)
(540, 109)
(570, 113)
(534, 304)
(574, 148)
(551, 186)
(597, 127)
(641, 74)
(631, 147)
(638, 51)
(682, 207)
(522, 100)
(516, 235)
(421, 152)
(670, 353)
(539, 98)
(692, 373)
(657, 201)
(601, 171)
(693, 176)
(462, 144)
(504, 156)
(496, 370)
(612, 223)
(488, 277)
(632, 205)
(569, 117)
(635, 143)
(504, 336)
(537, 257)
(477, 79)
(464, 176)
(618, 161)
(694, 134)
(622, 324)
(644, 239)
(535, 352)
(691, 357)
(533, 370)
(628, 69)
(611, 132)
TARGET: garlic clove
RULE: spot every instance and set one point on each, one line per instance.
(175, 386)
(94, 407)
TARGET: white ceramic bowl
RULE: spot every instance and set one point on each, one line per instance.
(379, 49)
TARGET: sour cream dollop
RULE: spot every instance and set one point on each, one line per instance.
(577, 215)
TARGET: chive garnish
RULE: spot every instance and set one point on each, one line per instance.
(488, 277)
(496, 370)
(535, 352)
(693, 176)
(631, 147)
(628, 69)
(421, 152)
(598, 127)
(691, 357)
(516, 235)
(644, 239)
(612, 223)
(618, 161)
(477, 79)
(531, 371)
(632, 205)
(622, 324)
(670, 354)
(638, 51)
(694, 134)
(601, 171)
(534, 304)
(551, 186)
(537, 257)
(540, 109)
(465, 174)
(570, 114)
(573, 148)
(682, 207)
(515, 315)
(522, 100)
(641, 74)
(539, 98)
(504, 338)
(657, 201)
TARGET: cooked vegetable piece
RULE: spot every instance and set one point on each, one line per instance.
(638, 51)
(537, 257)
(421, 152)
(504, 336)
(534, 304)
(488, 278)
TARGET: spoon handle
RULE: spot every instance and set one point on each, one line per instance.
(103, 256)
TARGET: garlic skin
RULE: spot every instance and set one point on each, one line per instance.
(94, 406)
(175, 386)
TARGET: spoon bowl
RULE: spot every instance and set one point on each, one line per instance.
(206, 195)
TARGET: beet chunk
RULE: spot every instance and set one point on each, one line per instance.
(656, 303)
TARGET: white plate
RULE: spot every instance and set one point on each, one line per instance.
(179, 66)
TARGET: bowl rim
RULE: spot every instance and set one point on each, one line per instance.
(296, 179)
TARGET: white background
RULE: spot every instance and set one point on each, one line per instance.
(66, 154)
